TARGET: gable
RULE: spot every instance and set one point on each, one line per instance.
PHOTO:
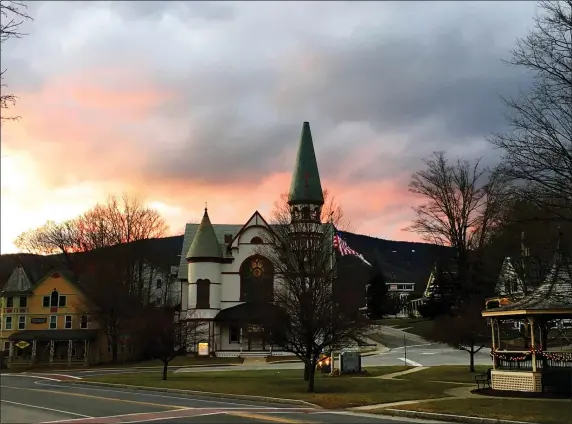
(57, 280)
(19, 281)
(254, 227)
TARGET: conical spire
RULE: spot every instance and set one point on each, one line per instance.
(205, 243)
(306, 187)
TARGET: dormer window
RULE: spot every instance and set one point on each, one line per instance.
(256, 240)
(228, 238)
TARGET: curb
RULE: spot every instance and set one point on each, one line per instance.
(448, 417)
(197, 393)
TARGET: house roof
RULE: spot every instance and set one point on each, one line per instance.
(220, 231)
(306, 187)
(555, 293)
(205, 243)
(46, 335)
(251, 313)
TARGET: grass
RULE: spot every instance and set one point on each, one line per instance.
(419, 326)
(450, 373)
(180, 361)
(331, 392)
(527, 410)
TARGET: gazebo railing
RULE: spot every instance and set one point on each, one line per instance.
(523, 361)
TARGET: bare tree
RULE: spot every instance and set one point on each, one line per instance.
(538, 148)
(166, 337)
(466, 330)
(12, 15)
(463, 202)
(103, 276)
(309, 318)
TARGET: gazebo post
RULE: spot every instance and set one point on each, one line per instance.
(532, 343)
(494, 345)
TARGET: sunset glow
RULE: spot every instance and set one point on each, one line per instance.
(209, 112)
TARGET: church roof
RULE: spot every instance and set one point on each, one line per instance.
(554, 293)
(205, 243)
(306, 186)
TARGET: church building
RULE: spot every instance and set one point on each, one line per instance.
(225, 279)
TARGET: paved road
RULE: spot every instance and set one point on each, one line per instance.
(41, 400)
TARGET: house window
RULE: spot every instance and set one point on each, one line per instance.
(23, 302)
(54, 298)
(159, 283)
(8, 323)
(62, 301)
(10, 302)
(6, 345)
(68, 322)
(234, 335)
(256, 240)
(83, 323)
(22, 322)
(46, 302)
(256, 280)
(203, 294)
(53, 322)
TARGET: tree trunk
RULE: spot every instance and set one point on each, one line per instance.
(165, 367)
(311, 377)
(114, 355)
(472, 360)
(307, 368)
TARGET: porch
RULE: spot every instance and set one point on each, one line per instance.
(241, 330)
(31, 348)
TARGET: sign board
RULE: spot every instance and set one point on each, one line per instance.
(350, 362)
(22, 344)
(203, 349)
(38, 320)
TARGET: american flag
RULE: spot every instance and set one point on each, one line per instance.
(341, 246)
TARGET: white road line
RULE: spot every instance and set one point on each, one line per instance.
(46, 409)
(59, 375)
(30, 376)
(429, 353)
(408, 346)
(410, 362)
(178, 418)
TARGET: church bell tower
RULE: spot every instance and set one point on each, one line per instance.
(306, 197)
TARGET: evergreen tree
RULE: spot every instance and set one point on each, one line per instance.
(376, 294)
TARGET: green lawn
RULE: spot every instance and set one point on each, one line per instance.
(419, 326)
(331, 392)
(526, 410)
(452, 373)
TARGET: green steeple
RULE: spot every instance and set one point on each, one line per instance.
(305, 187)
(205, 243)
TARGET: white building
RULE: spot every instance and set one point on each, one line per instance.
(226, 280)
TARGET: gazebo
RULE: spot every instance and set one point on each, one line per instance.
(536, 368)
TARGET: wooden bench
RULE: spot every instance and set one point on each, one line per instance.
(484, 379)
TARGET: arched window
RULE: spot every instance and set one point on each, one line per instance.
(54, 299)
(256, 240)
(203, 294)
(306, 213)
(256, 280)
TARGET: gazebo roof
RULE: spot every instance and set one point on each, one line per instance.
(553, 296)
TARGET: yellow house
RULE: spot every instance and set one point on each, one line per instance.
(46, 321)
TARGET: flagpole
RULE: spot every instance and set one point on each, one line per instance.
(332, 357)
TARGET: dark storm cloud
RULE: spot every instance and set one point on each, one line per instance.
(411, 78)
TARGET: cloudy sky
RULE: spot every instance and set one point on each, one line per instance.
(188, 102)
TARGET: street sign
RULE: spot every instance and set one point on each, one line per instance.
(22, 344)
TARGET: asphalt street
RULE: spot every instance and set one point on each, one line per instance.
(33, 399)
